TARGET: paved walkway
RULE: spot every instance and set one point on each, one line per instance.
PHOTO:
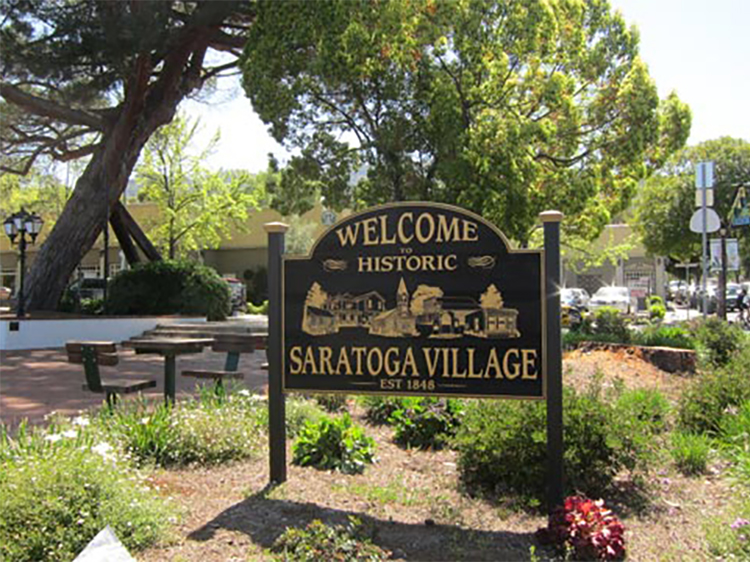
(36, 383)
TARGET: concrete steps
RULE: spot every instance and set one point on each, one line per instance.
(244, 325)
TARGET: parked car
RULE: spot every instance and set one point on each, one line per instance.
(575, 297)
(733, 291)
(5, 293)
(237, 294)
(616, 297)
(88, 288)
(571, 316)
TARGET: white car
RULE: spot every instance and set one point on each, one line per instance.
(575, 297)
(616, 297)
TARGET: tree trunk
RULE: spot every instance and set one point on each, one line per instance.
(147, 105)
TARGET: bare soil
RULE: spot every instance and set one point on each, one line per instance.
(412, 501)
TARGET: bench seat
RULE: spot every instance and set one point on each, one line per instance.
(215, 375)
(123, 386)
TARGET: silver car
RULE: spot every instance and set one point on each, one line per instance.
(575, 297)
(616, 297)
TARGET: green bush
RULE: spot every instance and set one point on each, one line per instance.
(299, 411)
(206, 431)
(318, 541)
(256, 281)
(606, 322)
(704, 402)
(657, 311)
(331, 402)
(734, 438)
(169, 287)
(334, 444)
(690, 452)
(426, 423)
(502, 446)
(58, 490)
(644, 406)
(717, 341)
(378, 409)
(665, 336)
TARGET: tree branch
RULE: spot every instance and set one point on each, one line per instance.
(46, 108)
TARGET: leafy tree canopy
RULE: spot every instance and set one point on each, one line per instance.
(506, 108)
(97, 78)
(666, 202)
(197, 207)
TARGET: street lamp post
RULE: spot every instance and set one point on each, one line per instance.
(18, 225)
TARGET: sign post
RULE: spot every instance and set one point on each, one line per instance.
(704, 180)
(551, 221)
(276, 406)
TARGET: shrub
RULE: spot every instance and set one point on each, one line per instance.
(331, 402)
(257, 285)
(169, 287)
(319, 541)
(665, 336)
(378, 409)
(299, 411)
(657, 312)
(496, 438)
(704, 402)
(734, 438)
(334, 444)
(586, 529)
(690, 452)
(647, 407)
(606, 322)
(426, 423)
(58, 490)
(208, 431)
(717, 341)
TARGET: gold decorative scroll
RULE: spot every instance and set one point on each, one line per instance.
(334, 265)
(485, 262)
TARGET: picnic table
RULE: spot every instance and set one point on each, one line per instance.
(169, 348)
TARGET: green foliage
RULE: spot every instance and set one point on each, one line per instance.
(665, 204)
(690, 452)
(299, 412)
(197, 207)
(318, 541)
(608, 320)
(331, 403)
(664, 336)
(704, 402)
(169, 287)
(378, 409)
(58, 490)
(261, 308)
(728, 532)
(205, 431)
(502, 446)
(657, 311)
(717, 341)
(426, 423)
(334, 444)
(646, 407)
(257, 285)
(552, 99)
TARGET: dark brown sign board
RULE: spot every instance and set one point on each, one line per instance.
(414, 298)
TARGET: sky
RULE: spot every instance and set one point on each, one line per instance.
(698, 48)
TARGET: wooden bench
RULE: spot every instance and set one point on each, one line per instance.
(92, 354)
(234, 345)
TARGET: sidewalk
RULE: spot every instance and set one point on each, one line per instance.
(38, 382)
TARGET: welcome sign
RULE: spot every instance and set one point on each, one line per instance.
(414, 298)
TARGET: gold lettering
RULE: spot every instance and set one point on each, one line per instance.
(358, 354)
(446, 232)
(450, 263)
(456, 373)
(409, 361)
(365, 264)
(470, 231)
(493, 362)
(472, 375)
(506, 365)
(370, 229)
(384, 231)
(391, 365)
(325, 361)
(310, 360)
(421, 236)
(528, 360)
(374, 352)
(343, 365)
(295, 356)
(348, 234)
(430, 357)
(446, 372)
(401, 231)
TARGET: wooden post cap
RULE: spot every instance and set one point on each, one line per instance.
(551, 216)
(275, 227)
